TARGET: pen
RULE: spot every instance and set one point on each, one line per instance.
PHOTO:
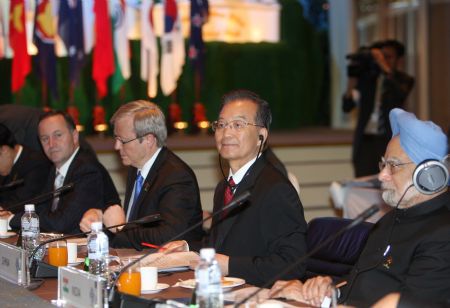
(152, 246)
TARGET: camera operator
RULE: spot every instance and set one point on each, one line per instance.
(375, 86)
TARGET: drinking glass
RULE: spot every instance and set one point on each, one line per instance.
(130, 280)
(57, 253)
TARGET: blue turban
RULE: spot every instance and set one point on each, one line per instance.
(421, 140)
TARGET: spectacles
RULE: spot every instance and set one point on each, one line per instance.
(237, 125)
(392, 165)
(128, 141)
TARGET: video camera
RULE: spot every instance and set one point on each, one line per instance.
(362, 62)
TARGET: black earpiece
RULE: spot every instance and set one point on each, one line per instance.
(261, 137)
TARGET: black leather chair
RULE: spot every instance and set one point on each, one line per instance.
(338, 257)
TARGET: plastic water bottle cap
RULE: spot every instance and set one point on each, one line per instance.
(207, 253)
(29, 207)
(96, 226)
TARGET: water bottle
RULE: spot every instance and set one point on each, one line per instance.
(208, 281)
(98, 249)
(30, 232)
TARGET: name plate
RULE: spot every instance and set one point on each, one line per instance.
(78, 288)
(13, 263)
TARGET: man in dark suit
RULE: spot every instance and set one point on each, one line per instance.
(158, 181)
(375, 86)
(260, 238)
(92, 185)
(408, 249)
(23, 171)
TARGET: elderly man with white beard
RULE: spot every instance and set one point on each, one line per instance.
(408, 250)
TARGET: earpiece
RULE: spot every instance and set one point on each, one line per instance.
(430, 176)
(261, 137)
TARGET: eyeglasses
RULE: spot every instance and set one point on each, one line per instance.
(128, 141)
(392, 165)
(237, 125)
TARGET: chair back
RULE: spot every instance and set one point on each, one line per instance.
(338, 257)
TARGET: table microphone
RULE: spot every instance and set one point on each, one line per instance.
(42, 197)
(237, 201)
(359, 219)
(50, 270)
(11, 184)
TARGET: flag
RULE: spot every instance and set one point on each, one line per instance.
(44, 39)
(70, 29)
(199, 15)
(88, 24)
(121, 46)
(21, 63)
(149, 49)
(103, 56)
(172, 41)
(4, 10)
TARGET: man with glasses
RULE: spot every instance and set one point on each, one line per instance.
(260, 238)
(158, 181)
(408, 250)
(92, 185)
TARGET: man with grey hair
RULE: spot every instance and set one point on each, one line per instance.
(158, 181)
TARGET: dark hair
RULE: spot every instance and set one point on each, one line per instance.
(67, 118)
(396, 45)
(7, 137)
(263, 114)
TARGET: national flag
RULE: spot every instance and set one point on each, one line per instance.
(103, 56)
(149, 49)
(88, 24)
(70, 29)
(121, 45)
(4, 11)
(21, 63)
(199, 16)
(173, 54)
(44, 39)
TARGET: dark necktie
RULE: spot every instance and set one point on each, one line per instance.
(228, 196)
(59, 181)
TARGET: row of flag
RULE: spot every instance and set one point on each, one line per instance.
(101, 26)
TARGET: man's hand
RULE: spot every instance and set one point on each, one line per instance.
(114, 215)
(314, 290)
(223, 263)
(288, 289)
(5, 214)
(175, 246)
(90, 216)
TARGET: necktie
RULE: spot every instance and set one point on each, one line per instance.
(59, 180)
(138, 186)
(228, 195)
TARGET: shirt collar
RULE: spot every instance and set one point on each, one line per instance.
(148, 165)
(18, 154)
(65, 167)
(239, 175)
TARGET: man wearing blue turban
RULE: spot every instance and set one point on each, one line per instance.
(408, 250)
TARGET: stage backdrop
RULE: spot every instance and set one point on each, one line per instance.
(291, 75)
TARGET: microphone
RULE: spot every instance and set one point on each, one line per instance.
(11, 184)
(52, 270)
(42, 197)
(239, 200)
(359, 219)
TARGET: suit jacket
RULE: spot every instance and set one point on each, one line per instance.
(93, 188)
(395, 91)
(417, 262)
(169, 189)
(265, 234)
(33, 167)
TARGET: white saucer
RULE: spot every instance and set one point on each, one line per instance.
(77, 262)
(7, 234)
(159, 288)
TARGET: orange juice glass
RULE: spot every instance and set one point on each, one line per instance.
(130, 279)
(57, 253)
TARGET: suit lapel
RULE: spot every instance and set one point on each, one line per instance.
(224, 226)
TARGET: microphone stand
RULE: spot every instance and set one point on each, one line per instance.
(359, 219)
(233, 204)
(41, 198)
(35, 266)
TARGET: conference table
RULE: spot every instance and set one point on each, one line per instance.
(48, 289)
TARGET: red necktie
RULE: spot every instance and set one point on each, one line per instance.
(228, 196)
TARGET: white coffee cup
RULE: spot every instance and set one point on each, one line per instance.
(149, 277)
(3, 226)
(72, 252)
